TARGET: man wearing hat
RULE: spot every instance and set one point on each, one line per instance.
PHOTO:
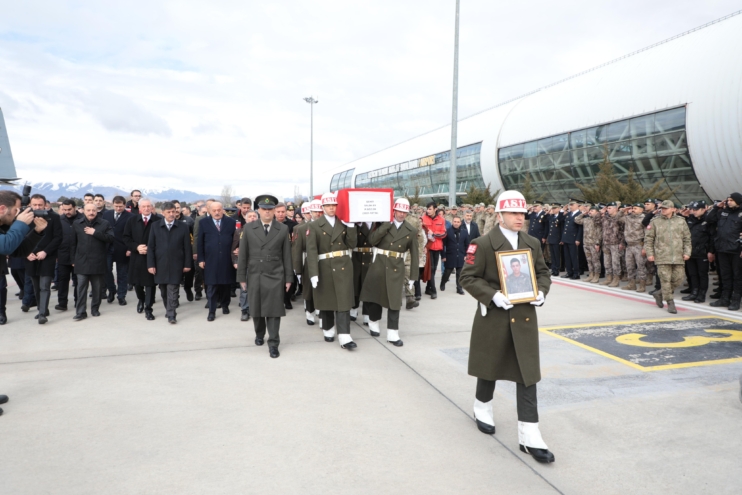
(504, 340)
(636, 263)
(592, 236)
(667, 243)
(612, 245)
(697, 267)
(214, 250)
(537, 225)
(571, 239)
(264, 264)
(330, 243)
(386, 275)
(727, 216)
(298, 256)
(554, 237)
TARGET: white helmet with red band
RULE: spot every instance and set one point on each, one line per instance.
(329, 198)
(511, 201)
(402, 205)
(305, 208)
(315, 205)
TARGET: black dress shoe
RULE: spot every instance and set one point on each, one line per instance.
(396, 343)
(218, 305)
(273, 351)
(686, 291)
(233, 293)
(460, 291)
(349, 345)
(575, 277)
(541, 455)
(95, 312)
(329, 339)
(434, 295)
(211, 317)
(140, 306)
(3, 399)
(189, 295)
(288, 305)
(374, 334)
(25, 308)
(80, 317)
(443, 286)
(42, 320)
(485, 428)
(129, 287)
(207, 304)
(111, 297)
(310, 322)
(148, 315)
(245, 316)
(566, 275)
(3, 318)
(198, 296)
(259, 341)
(171, 320)
(427, 291)
(122, 302)
(417, 298)
(225, 310)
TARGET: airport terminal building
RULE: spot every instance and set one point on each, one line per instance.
(670, 112)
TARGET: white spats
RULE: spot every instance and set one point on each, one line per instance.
(392, 335)
(344, 338)
(483, 412)
(316, 311)
(365, 319)
(530, 436)
(310, 316)
(329, 333)
(354, 313)
(374, 327)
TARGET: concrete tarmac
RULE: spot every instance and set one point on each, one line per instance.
(121, 405)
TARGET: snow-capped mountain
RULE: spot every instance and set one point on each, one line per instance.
(53, 191)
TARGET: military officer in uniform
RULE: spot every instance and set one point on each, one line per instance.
(329, 248)
(571, 239)
(298, 256)
(554, 237)
(385, 280)
(504, 339)
(264, 264)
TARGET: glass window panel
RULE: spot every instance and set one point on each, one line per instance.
(643, 148)
(579, 157)
(600, 134)
(671, 144)
(642, 126)
(577, 139)
(670, 120)
(544, 146)
(560, 143)
(620, 151)
(591, 136)
(595, 154)
(334, 182)
(544, 162)
(530, 149)
(617, 131)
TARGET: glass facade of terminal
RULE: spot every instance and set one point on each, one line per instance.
(429, 174)
(655, 146)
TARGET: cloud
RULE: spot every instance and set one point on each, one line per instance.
(118, 113)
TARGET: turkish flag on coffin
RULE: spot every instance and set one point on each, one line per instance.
(365, 205)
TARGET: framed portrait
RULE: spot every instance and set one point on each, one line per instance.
(517, 275)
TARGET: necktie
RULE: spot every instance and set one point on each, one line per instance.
(116, 217)
(146, 220)
(265, 226)
(169, 226)
(218, 225)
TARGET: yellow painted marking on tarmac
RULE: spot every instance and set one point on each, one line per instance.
(630, 322)
(635, 339)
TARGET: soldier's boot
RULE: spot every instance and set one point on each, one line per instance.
(671, 307)
(650, 280)
(658, 299)
(411, 303)
(686, 291)
(353, 314)
(608, 280)
(615, 282)
(734, 304)
(624, 277)
(631, 285)
(589, 277)
(701, 297)
(690, 297)
(373, 328)
(596, 278)
(641, 286)
(723, 301)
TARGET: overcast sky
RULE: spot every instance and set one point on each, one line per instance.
(195, 95)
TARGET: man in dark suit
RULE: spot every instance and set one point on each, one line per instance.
(571, 239)
(41, 261)
(454, 251)
(554, 237)
(281, 217)
(118, 252)
(68, 214)
(264, 269)
(471, 227)
(169, 257)
(136, 237)
(214, 252)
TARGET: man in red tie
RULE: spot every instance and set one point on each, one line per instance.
(136, 237)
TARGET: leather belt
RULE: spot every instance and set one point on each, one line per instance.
(335, 254)
(363, 250)
(390, 254)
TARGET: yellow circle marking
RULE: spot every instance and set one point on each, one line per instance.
(635, 339)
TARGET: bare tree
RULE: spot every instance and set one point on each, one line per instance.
(227, 196)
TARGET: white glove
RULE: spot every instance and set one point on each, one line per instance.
(315, 281)
(501, 301)
(411, 284)
(539, 300)
(349, 225)
(298, 277)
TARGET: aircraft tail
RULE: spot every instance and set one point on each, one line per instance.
(7, 165)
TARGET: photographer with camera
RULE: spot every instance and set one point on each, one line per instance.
(17, 239)
(40, 263)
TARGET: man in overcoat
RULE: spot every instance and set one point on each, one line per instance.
(40, 262)
(214, 250)
(169, 257)
(504, 339)
(118, 252)
(88, 252)
(65, 270)
(330, 242)
(385, 280)
(264, 270)
(136, 237)
(454, 250)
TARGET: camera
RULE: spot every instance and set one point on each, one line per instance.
(26, 200)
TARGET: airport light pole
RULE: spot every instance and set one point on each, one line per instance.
(454, 115)
(311, 100)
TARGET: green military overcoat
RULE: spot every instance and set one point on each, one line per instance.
(264, 263)
(386, 277)
(334, 291)
(298, 248)
(361, 261)
(504, 343)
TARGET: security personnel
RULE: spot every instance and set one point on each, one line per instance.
(701, 241)
(298, 256)
(362, 257)
(504, 339)
(329, 247)
(385, 280)
(264, 264)
(554, 237)
(571, 240)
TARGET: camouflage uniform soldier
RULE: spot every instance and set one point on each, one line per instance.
(592, 234)
(636, 264)
(489, 220)
(612, 244)
(668, 244)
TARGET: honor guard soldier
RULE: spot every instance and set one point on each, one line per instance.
(329, 247)
(362, 257)
(299, 255)
(504, 339)
(264, 264)
(385, 280)
(554, 237)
